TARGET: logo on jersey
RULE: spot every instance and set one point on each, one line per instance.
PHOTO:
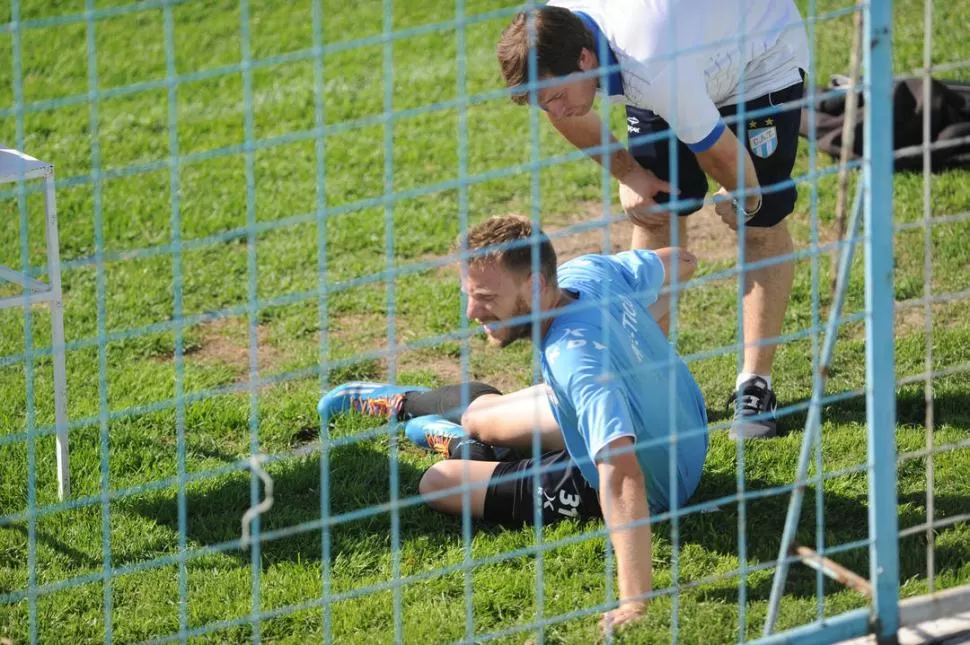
(763, 141)
(631, 324)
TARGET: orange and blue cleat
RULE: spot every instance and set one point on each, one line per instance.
(373, 399)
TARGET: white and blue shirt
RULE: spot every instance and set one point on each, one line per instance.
(682, 59)
(612, 373)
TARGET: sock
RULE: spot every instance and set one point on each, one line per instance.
(744, 376)
(443, 401)
(477, 451)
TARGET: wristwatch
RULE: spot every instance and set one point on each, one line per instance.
(739, 208)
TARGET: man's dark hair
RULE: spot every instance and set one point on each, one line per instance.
(558, 36)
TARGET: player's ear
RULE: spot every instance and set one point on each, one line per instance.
(533, 278)
(541, 278)
(587, 60)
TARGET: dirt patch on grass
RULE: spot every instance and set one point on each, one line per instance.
(582, 231)
(226, 341)
(369, 330)
(910, 316)
(709, 238)
(447, 368)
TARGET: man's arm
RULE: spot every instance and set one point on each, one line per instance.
(623, 499)
(586, 132)
(720, 162)
(637, 184)
(686, 264)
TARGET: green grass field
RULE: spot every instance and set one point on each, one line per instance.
(226, 264)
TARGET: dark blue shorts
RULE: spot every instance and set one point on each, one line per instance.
(771, 140)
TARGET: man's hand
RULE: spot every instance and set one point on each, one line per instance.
(637, 191)
(724, 207)
(623, 498)
(720, 162)
(637, 185)
(625, 613)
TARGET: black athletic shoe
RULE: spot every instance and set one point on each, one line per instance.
(754, 410)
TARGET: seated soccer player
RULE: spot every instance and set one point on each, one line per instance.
(616, 393)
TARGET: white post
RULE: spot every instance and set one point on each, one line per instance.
(57, 339)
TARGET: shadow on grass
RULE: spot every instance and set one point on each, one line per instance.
(360, 475)
(78, 557)
(359, 480)
(845, 521)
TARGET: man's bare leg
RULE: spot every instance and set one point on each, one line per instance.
(766, 294)
(453, 476)
(510, 420)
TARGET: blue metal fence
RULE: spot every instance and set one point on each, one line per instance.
(872, 210)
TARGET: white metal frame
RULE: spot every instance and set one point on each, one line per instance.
(14, 166)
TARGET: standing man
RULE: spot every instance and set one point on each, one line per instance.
(750, 52)
(620, 418)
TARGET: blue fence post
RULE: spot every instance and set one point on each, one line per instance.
(880, 361)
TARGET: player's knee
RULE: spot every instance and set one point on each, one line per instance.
(775, 237)
(776, 206)
(484, 430)
(469, 421)
(435, 479)
(475, 421)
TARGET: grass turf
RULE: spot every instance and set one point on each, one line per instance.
(250, 267)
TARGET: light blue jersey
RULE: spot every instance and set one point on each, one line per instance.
(614, 374)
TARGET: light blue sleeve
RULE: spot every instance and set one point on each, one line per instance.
(644, 272)
(582, 366)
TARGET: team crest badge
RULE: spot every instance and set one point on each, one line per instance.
(763, 141)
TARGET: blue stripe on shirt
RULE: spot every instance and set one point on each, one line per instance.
(614, 81)
(708, 142)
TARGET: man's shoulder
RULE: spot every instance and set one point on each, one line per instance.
(585, 261)
(600, 266)
(587, 6)
(598, 263)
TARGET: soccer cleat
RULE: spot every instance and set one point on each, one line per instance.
(372, 399)
(433, 432)
(754, 412)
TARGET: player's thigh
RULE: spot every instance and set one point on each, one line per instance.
(772, 143)
(562, 491)
(512, 419)
(650, 139)
(446, 484)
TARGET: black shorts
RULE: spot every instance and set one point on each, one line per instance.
(563, 491)
(773, 160)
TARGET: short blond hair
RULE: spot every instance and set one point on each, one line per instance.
(508, 240)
